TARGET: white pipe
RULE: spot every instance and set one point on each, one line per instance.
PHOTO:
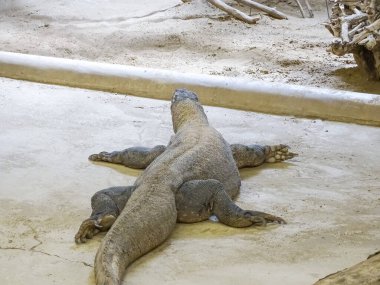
(258, 96)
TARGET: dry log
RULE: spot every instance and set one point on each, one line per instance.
(366, 272)
(234, 12)
(338, 49)
(270, 11)
(308, 8)
(344, 32)
(370, 29)
(369, 42)
(342, 9)
(356, 29)
(349, 21)
(357, 24)
(301, 9)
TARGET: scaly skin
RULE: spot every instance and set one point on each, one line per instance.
(194, 177)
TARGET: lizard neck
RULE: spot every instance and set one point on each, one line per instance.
(186, 113)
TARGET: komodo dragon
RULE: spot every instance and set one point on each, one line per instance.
(192, 178)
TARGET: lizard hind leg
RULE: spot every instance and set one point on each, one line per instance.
(92, 226)
(193, 200)
(106, 207)
(197, 200)
(232, 215)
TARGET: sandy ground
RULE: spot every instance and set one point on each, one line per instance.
(186, 37)
(329, 195)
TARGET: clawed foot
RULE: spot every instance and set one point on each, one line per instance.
(261, 219)
(90, 227)
(103, 156)
(277, 153)
(87, 230)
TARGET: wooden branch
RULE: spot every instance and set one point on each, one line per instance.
(355, 18)
(270, 11)
(369, 42)
(301, 9)
(356, 29)
(329, 27)
(339, 49)
(349, 21)
(342, 9)
(372, 10)
(234, 12)
(344, 32)
(367, 30)
(308, 8)
(311, 13)
(335, 27)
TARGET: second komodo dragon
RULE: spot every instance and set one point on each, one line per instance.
(194, 177)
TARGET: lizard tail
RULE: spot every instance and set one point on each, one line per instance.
(146, 221)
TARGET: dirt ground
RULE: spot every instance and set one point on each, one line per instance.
(186, 37)
(329, 194)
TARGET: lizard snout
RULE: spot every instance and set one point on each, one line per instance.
(182, 94)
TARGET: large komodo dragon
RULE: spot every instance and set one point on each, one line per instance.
(192, 178)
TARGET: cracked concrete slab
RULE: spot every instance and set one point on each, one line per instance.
(329, 194)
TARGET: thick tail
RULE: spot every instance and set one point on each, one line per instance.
(147, 220)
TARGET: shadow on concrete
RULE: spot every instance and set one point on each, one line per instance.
(246, 173)
(355, 77)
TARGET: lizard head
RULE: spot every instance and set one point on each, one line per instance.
(186, 109)
(183, 94)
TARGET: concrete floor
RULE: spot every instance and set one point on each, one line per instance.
(330, 194)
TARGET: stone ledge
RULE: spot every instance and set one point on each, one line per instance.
(257, 96)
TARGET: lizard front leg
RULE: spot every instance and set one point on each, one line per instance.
(255, 155)
(106, 207)
(197, 200)
(244, 155)
(133, 157)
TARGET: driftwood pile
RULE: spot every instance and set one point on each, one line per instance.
(272, 12)
(357, 24)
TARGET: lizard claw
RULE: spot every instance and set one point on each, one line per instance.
(92, 226)
(102, 156)
(277, 153)
(261, 219)
(87, 230)
(258, 221)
